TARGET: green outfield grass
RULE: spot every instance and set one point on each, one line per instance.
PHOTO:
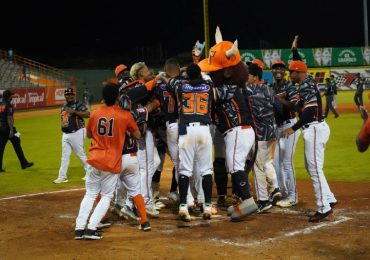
(41, 141)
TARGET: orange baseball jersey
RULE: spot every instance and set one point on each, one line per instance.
(365, 132)
(108, 126)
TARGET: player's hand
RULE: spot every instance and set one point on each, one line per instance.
(287, 132)
(295, 43)
(70, 110)
(11, 133)
(281, 95)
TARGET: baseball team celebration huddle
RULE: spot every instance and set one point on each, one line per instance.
(215, 118)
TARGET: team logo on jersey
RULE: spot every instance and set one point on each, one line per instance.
(198, 88)
(163, 86)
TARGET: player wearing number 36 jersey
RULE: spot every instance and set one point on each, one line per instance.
(107, 127)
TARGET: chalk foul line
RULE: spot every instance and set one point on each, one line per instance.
(307, 230)
(38, 194)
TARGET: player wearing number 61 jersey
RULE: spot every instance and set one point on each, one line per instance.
(107, 127)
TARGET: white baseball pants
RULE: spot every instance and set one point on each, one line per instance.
(315, 138)
(283, 162)
(73, 141)
(96, 181)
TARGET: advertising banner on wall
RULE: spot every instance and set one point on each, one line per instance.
(346, 77)
(55, 95)
(28, 97)
(313, 57)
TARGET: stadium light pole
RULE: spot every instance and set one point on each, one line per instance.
(206, 27)
(366, 31)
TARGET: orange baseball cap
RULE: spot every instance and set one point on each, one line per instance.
(259, 63)
(278, 62)
(119, 69)
(298, 65)
(218, 57)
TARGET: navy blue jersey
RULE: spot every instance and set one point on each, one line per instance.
(167, 100)
(130, 145)
(231, 108)
(194, 100)
(309, 103)
(261, 101)
(6, 109)
(71, 122)
(284, 113)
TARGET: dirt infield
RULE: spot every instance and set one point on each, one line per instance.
(41, 227)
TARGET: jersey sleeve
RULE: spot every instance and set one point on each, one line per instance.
(151, 84)
(81, 107)
(364, 135)
(131, 124)
(10, 110)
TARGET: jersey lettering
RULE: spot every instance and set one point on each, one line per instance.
(65, 117)
(105, 127)
(170, 102)
(195, 103)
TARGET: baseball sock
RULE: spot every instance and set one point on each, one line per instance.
(140, 205)
(221, 177)
(240, 182)
(207, 187)
(183, 188)
(173, 182)
(156, 176)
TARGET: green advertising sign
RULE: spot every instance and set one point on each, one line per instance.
(347, 56)
(313, 57)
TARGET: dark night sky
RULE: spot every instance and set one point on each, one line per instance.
(106, 28)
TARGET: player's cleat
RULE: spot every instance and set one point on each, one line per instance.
(207, 211)
(27, 165)
(243, 210)
(79, 234)
(318, 217)
(275, 196)
(264, 205)
(92, 234)
(173, 195)
(159, 204)
(286, 203)
(151, 211)
(333, 204)
(184, 213)
(103, 224)
(145, 226)
(129, 213)
(221, 202)
(60, 180)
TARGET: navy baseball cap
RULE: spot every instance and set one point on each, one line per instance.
(69, 91)
(7, 93)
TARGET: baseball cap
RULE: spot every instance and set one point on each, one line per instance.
(259, 63)
(7, 93)
(298, 65)
(119, 69)
(69, 91)
(278, 63)
(218, 57)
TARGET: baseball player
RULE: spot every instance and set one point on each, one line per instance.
(316, 133)
(229, 73)
(73, 127)
(107, 127)
(286, 96)
(261, 99)
(8, 132)
(194, 97)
